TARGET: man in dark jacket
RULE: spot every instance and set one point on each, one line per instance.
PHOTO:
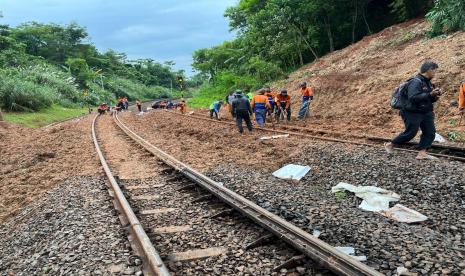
(241, 110)
(417, 111)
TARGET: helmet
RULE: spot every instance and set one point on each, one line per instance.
(238, 93)
(303, 84)
(220, 102)
(284, 92)
(261, 92)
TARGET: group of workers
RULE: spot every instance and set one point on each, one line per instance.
(265, 103)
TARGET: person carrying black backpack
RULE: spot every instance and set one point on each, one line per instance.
(417, 110)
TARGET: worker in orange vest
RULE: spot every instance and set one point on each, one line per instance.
(283, 105)
(183, 106)
(260, 105)
(307, 97)
(271, 99)
(462, 97)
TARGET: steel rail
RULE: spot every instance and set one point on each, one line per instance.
(319, 251)
(153, 264)
(462, 159)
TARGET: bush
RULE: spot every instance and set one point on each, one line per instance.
(36, 87)
(225, 82)
(17, 94)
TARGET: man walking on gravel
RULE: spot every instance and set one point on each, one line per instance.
(417, 111)
(307, 97)
(241, 110)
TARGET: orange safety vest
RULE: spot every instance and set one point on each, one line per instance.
(260, 102)
(283, 99)
(462, 96)
(306, 92)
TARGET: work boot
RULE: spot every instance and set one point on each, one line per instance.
(425, 156)
(389, 147)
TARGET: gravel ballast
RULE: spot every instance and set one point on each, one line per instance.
(434, 247)
(72, 230)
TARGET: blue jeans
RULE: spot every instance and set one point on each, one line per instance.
(304, 110)
(260, 116)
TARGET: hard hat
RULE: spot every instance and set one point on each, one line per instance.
(284, 92)
(303, 84)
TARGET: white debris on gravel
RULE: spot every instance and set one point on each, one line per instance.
(430, 248)
(375, 199)
(292, 172)
(274, 137)
(71, 230)
(401, 213)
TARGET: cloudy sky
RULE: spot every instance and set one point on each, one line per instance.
(159, 29)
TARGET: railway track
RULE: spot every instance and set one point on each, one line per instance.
(178, 186)
(444, 151)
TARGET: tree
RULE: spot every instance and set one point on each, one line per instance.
(447, 16)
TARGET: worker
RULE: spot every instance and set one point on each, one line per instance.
(215, 109)
(241, 110)
(307, 97)
(417, 111)
(139, 106)
(183, 106)
(462, 98)
(249, 96)
(120, 104)
(271, 99)
(102, 109)
(260, 105)
(228, 100)
(283, 105)
(126, 103)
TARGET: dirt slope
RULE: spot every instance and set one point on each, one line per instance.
(354, 85)
(33, 161)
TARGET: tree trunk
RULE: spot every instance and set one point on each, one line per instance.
(305, 40)
(365, 20)
(330, 34)
(354, 20)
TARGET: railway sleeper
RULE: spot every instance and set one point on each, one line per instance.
(291, 263)
(262, 240)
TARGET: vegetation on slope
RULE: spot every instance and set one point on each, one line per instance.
(46, 64)
(275, 37)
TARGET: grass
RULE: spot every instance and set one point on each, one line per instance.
(43, 117)
(341, 195)
(204, 97)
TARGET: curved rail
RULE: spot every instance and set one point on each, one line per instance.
(153, 264)
(371, 138)
(319, 251)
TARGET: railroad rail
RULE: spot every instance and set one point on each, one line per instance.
(319, 251)
(444, 151)
(140, 242)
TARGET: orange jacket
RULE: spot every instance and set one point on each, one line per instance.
(260, 102)
(306, 91)
(182, 107)
(283, 99)
(462, 96)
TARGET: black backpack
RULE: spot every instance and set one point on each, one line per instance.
(399, 97)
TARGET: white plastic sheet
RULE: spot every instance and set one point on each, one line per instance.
(274, 137)
(292, 172)
(439, 138)
(401, 213)
(375, 199)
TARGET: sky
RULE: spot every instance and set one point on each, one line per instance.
(163, 30)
